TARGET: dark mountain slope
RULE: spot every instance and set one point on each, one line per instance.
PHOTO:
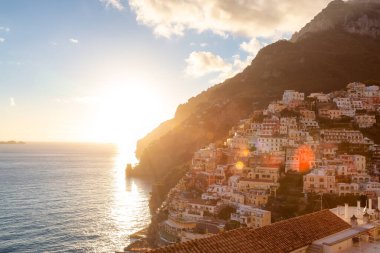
(318, 60)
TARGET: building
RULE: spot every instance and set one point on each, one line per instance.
(291, 95)
(300, 159)
(307, 114)
(266, 173)
(256, 198)
(319, 181)
(251, 216)
(320, 97)
(365, 120)
(343, 189)
(294, 235)
(341, 135)
(268, 144)
(246, 184)
(343, 103)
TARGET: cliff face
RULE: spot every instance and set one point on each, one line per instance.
(338, 46)
(355, 16)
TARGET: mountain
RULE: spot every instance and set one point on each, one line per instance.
(340, 45)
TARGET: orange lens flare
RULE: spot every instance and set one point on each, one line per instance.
(239, 165)
(306, 157)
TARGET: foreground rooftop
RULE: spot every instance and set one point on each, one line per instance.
(283, 236)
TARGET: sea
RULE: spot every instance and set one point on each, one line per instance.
(58, 197)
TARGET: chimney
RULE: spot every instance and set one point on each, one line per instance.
(345, 211)
(365, 217)
(354, 221)
(358, 208)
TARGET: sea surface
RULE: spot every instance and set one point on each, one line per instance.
(68, 198)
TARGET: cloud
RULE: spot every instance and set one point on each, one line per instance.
(236, 66)
(200, 63)
(12, 101)
(74, 41)
(2, 40)
(249, 18)
(252, 47)
(6, 29)
(113, 3)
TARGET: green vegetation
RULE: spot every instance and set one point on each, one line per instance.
(232, 224)
(225, 213)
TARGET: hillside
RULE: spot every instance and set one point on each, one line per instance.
(318, 58)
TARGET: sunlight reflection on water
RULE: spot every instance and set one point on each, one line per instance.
(74, 198)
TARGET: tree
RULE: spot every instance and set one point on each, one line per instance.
(232, 224)
(225, 212)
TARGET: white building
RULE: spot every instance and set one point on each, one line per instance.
(341, 135)
(365, 120)
(269, 144)
(343, 103)
(291, 95)
(343, 189)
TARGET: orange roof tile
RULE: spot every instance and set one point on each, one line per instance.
(279, 237)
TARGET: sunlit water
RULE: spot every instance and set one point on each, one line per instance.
(68, 198)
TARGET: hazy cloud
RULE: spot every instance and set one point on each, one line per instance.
(2, 40)
(236, 66)
(250, 18)
(200, 63)
(74, 41)
(252, 47)
(113, 3)
(6, 29)
(12, 101)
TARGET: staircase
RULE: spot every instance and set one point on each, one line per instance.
(315, 248)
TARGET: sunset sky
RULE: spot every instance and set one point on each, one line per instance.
(112, 70)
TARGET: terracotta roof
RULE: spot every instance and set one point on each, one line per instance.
(283, 236)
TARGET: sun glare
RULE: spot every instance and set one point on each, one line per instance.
(124, 114)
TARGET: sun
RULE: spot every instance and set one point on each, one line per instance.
(126, 113)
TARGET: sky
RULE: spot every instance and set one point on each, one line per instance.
(112, 70)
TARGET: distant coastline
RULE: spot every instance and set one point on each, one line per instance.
(12, 142)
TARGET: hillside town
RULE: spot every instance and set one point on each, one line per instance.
(325, 138)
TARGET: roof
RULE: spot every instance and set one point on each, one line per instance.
(283, 236)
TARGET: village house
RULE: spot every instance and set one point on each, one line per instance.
(320, 97)
(365, 120)
(343, 103)
(246, 184)
(251, 216)
(300, 159)
(343, 189)
(276, 107)
(257, 198)
(268, 144)
(319, 181)
(341, 135)
(287, 124)
(266, 173)
(291, 95)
